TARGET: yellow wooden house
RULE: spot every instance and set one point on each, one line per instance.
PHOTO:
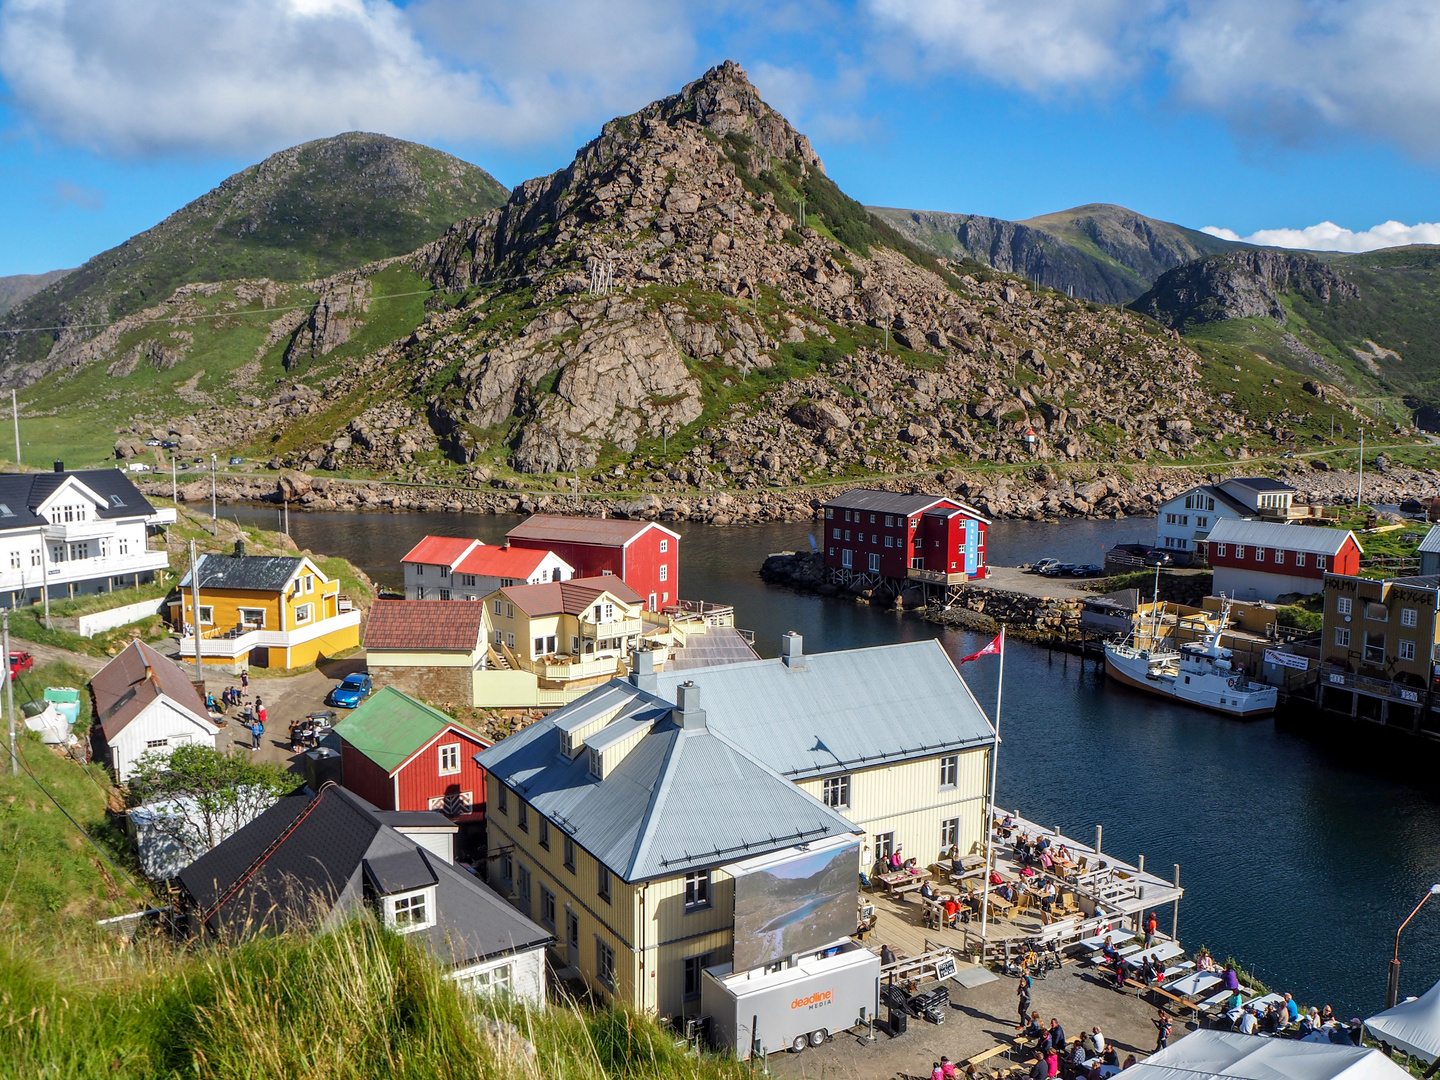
(271, 611)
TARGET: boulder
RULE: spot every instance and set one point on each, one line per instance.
(818, 415)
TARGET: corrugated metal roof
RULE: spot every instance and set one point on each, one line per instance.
(842, 709)
(571, 597)
(893, 502)
(440, 550)
(511, 562)
(606, 532)
(1274, 534)
(392, 725)
(1431, 543)
(447, 625)
(679, 800)
(718, 645)
(135, 678)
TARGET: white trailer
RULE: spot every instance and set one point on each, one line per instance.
(800, 1005)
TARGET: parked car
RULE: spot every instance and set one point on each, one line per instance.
(1055, 569)
(1090, 570)
(1067, 569)
(152, 442)
(350, 691)
(169, 444)
(184, 465)
(236, 460)
(1156, 557)
(20, 661)
(1043, 566)
(137, 466)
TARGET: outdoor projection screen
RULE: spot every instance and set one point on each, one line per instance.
(795, 906)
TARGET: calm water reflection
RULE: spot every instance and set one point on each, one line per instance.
(1295, 856)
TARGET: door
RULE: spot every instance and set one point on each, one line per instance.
(572, 939)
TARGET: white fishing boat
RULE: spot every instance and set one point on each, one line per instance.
(1200, 673)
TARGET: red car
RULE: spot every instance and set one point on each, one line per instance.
(20, 661)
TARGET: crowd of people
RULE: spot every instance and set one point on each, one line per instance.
(235, 698)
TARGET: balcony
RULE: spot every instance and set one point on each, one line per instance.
(79, 530)
(232, 642)
(936, 577)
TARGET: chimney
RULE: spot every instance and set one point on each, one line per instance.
(688, 714)
(240, 548)
(59, 466)
(642, 669)
(792, 650)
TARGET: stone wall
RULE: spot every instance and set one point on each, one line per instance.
(437, 685)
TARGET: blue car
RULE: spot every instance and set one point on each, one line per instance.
(350, 692)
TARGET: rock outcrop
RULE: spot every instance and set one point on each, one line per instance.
(1241, 285)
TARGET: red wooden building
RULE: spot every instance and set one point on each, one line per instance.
(401, 754)
(876, 537)
(1264, 560)
(645, 555)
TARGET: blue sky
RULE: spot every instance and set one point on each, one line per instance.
(1300, 122)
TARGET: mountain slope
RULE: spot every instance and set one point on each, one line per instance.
(302, 213)
(1095, 252)
(17, 288)
(656, 311)
(1371, 320)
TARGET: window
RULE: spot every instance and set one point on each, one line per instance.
(1299, 558)
(252, 616)
(847, 557)
(34, 556)
(1374, 648)
(605, 964)
(502, 800)
(1407, 650)
(1319, 562)
(949, 770)
(694, 965)
(847, 534)
(468, 579)
(1239, 551)
(889, 521)
(499, 607)
(509, 640)
(80, 550)
(1220, 550)
(496, 980)
(884, 845)
(444, 572)
(449, 759)
(829, 513)
(1184, 519)
(595, 762)
(836, 790)
(207, 615)
(1279, 557)
(1342, 605)
(847, 515)
(1377, 612)
(419, 569)
(444, 594)
(569, 854)
(1201, 522)
(509, 610)
(1189, 502)
(411, 911)
(835, 534)
(664, 546)
(1259, 554)
(499, 637)
(309, 584)
(697, 890)
(547, 908)
(522, 887)
(303, 613)
(949, 833)
(602, 882)
(545, 833)
(522, 815)
(874, 562)
(14, 560)
(664, 571)
(1408, 616)
(872, 519)
(889, 541)
(507, 868)
(1342, 637)
(155, 744)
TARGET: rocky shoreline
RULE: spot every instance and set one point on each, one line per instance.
(1040, 492)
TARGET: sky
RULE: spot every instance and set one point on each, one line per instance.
(1303, 123)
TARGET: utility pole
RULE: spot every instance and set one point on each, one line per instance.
(213, 515)
(174, 484)
(15, 412)
(44, 580)
(195, 609)
(10, 695)
(1360, 484)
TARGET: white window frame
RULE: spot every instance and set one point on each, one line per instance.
(1342, 637)
(604, 963)
(490, 982)
(1299, 558)
(949, 833)
(664, 571)
(950, 770)
(698, 889)
(664, 546)
(401, 909)
(1342, 605)
(1406, 650)
(604, 887)
(835, 791)
(1220, 550)
(303, 613)
(449, 758)
(1409, 617)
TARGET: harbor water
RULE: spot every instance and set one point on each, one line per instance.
(1300, 854)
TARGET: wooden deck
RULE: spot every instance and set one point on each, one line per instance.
(901, 925)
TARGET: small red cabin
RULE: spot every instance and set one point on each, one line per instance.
(643, 554)
(885, 534)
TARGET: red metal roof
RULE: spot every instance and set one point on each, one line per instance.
(447, 625)
(570, 597)
(504, 562)
(606, 532)
(440, 550)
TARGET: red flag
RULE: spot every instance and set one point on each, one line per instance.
(993, 649)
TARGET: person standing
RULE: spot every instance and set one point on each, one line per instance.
(1150, 928)
(947, 1068)
(1022, 993)
(260, 714)
(256, 730)
(1057, 1035)
(244, 680)
(1162, 1026)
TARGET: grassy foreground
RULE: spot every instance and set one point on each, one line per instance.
(357, 1003)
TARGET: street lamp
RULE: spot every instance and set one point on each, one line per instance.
(1392, 992)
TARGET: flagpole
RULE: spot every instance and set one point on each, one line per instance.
(990, 810)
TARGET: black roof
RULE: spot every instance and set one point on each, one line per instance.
(332, 852)
(247, 573)
(1418, 581)
(887, 502)
(1259, 483)
(22, 493)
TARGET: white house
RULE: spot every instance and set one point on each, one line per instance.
(1186, 520)
(454, 568)
(145, 704)
(76, 532)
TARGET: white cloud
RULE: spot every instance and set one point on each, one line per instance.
(1327, 236)
(242, 76)
(1037, 45)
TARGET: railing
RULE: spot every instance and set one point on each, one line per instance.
(936, 577)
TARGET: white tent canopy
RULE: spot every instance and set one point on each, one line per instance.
(1230, 1055)
(1412, 1026)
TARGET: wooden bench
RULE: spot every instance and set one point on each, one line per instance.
(901, 890)
(985, 1055)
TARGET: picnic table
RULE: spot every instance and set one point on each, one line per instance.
(1196, 985)
(1161, 953)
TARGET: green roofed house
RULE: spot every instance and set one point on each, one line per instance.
(401, 754)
